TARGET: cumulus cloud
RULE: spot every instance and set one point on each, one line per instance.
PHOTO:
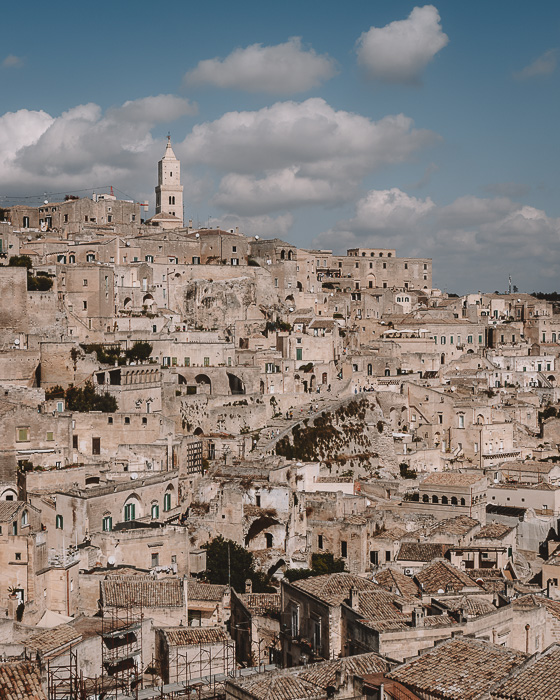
(292, 153)
(12, 61)
(474, 242)
(541, 66)
(400, 51)
(83, 146)
(283, 69)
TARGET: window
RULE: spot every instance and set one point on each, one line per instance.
(107, 523)
(60, 407)
(167, 502)
(461, 421)
(384, 266)
(22, 435)
(144, 420)
(155, 559)
(207, 362)
(154, 511)
(18, 556)
(187, 361)
(95, 446)
(469, 339)
(59, 522)
(24, 518)
(109, 218)
(84, 305)
(129, 512)
(150, 258)
(295, 622)
(299, 354)
(75, 442)
(127, 420)
(480, 339)
(85, 283)
(50, 436)
(110, 420)
(320, 542)
(343, 549)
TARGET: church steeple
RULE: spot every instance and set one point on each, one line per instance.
(169, 191)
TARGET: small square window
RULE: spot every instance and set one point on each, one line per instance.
(127, 420)
(110, 420)
(50, 436)
(18, 556)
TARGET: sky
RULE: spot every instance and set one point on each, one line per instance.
(429, 128)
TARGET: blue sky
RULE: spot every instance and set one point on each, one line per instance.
(428, 128)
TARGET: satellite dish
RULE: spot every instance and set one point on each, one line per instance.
(197, 235)
(257, 238)
(46, 201)
(134, 476)
(16, 341)
(291, 309)
(111, 561)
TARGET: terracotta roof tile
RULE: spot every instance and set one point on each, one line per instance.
(443, 576)
(142, 592)
(539, 679)
(391, 579)
(459, 669)
(334, 588)
(21, 681)
(422, 551)
(185, 636)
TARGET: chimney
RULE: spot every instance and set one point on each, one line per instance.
(248, 586)
(418, 617)
(354, 598)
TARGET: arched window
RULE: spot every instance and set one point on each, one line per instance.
(444, 500)
(72, 258)
(435, 499)
(370, 370)
(155, 511)
(167, 501)
(59, 522)
(269, 540)
(462, 501)
(453, 500)
(129, 512)
(425, 498)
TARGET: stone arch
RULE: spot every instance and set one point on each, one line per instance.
(8, 494)
(435, 499)
(236, 385)
(203, 383)
(148, 300)
(127, 303)
(425, 498)
(259, 525)
(132, 507)
(463, 502)
(444, 500)
(299, 287)
(453, 500)
(181, 379)
(282, 254)
(198, 431)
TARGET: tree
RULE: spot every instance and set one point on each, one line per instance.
(20, 261)
(226, 560)
(321, 563)
(140, 351)
(87, 399)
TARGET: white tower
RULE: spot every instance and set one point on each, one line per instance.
(169, 191)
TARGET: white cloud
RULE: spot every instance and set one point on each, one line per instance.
(475, 242)
(292, 154)
(281, 70)
(12, 61)
(83, 147)
(400, 51)
(543, 65)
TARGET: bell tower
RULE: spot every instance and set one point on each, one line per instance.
(169, 191)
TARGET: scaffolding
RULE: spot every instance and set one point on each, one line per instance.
(204, 668)
(121, 650)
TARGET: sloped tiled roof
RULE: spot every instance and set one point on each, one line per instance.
(460, 525)
(334, 588)
(142, 592)
(261, 603)
(185, 636)
(389, 579)
(8, 509)
(198, 590)
(50, 640)
(471, 605)
(452, 479)
(493, 531)
(303, 683)
(442, 575)
(21, 681)
(378, 605)
(460, 669)
(537, 680)
(422, 551)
